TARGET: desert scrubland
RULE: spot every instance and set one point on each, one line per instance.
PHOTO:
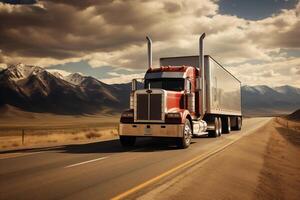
(26, 129)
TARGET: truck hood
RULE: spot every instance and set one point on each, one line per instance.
(174, 100)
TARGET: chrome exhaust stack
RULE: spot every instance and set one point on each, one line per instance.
(149, 52)
(202, 103)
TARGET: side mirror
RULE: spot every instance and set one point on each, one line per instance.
(133, 85)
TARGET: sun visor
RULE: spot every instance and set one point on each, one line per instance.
(154, 75)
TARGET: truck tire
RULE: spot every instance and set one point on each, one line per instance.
(226, 125)
(215, 132)
(127, 141)
(220, 126)
(185, 141)
(238, 123)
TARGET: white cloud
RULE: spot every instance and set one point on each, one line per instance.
(113, 34)
(266, 73)
(113, 74)
(122, 78)
(275, 73)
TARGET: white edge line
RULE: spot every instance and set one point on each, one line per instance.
(97, 159)
(25, 153)
(85, 162)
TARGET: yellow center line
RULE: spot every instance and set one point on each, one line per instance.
(181, 166)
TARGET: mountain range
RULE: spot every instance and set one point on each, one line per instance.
(35, 89)
(264, 100)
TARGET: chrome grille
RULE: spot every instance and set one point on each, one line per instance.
(142, 107)
(155, 106)
(149, 107)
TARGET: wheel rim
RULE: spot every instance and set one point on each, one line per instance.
(187, 134)
(220, 126)
(217, 129)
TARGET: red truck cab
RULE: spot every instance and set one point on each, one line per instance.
(164, 107)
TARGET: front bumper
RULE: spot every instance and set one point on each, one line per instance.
(153, 130)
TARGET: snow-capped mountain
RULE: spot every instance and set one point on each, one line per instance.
(21, 71)
(75, 78)
(33, 88)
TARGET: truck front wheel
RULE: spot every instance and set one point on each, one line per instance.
(127, 141)
(185, 141)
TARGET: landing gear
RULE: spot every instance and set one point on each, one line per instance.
(185, 141)
(127, 141)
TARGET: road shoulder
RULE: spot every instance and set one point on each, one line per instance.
(261, 165)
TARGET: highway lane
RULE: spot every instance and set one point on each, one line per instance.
(101, 170)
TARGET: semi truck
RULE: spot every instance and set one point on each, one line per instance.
(185, 97)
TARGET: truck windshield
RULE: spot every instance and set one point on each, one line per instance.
(173, 84)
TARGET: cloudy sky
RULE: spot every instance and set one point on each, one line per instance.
(257, 40)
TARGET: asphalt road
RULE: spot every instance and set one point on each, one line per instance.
(105, 170)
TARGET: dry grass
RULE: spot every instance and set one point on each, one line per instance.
(92, 135)
(47, 128)
(52, 136)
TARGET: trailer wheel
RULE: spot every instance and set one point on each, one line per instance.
(220, 126)
(215, 132)
(238, 123)
(185, 141)
(226, 125)
(127, 141)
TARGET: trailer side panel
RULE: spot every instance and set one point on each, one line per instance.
(222, 88)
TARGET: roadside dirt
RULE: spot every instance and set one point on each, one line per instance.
(263, 165)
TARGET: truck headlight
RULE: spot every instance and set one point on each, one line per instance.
(127, 117)
(127, 114)
(131, 101)
(173, 115)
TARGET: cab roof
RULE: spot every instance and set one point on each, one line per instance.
(169, 68)
(171, 72)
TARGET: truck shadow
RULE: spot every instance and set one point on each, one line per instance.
(111, 146)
